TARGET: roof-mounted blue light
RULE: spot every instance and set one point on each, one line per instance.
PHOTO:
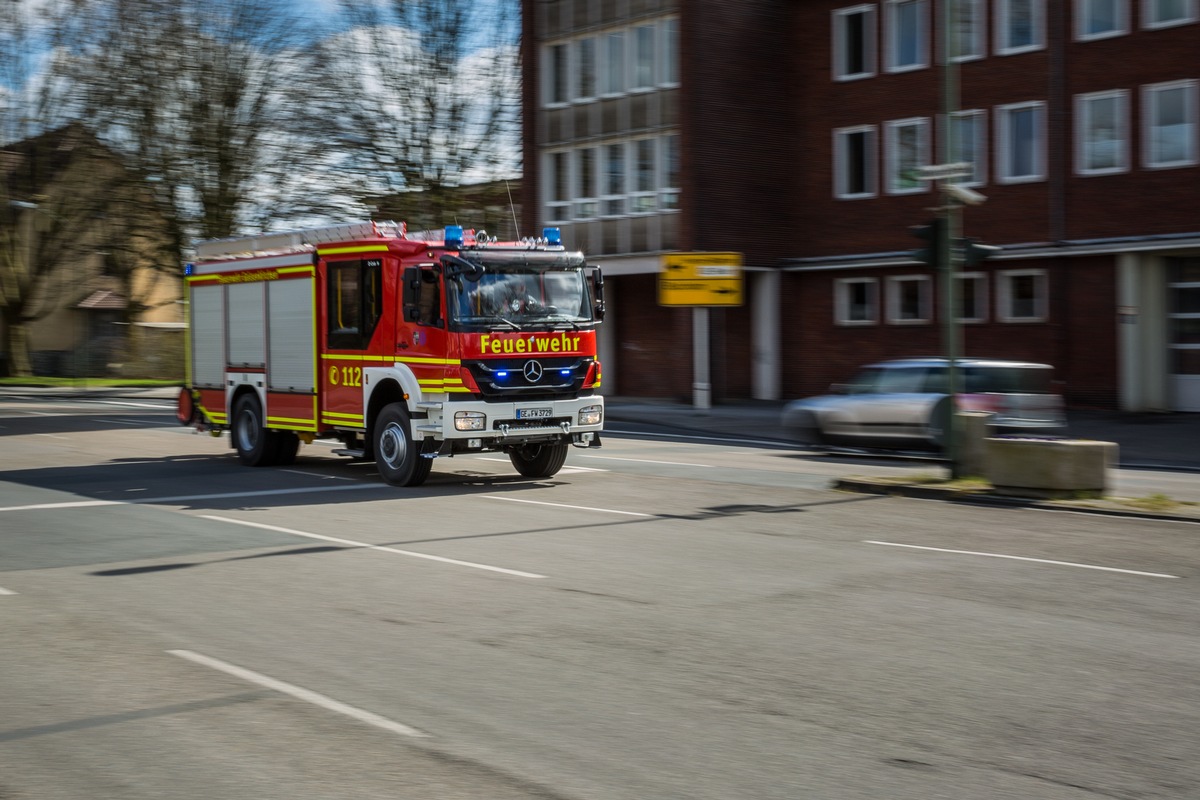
(189, 268)
(553, 236)
(454, 237)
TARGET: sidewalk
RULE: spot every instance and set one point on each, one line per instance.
(1145, 440)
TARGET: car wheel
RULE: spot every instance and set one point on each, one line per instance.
(256, 446)
(396, 454)
(538, 460)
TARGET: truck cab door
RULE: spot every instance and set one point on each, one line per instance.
(353, 311)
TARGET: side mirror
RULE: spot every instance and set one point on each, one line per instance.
(598, 293)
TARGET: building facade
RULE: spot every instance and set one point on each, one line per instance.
(794, 134)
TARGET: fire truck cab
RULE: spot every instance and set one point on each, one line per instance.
(402, 346)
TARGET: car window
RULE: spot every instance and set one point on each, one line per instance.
(937, 380)
(1008, 380)
(898, 380)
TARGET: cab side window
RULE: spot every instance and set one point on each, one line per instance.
(354, 302)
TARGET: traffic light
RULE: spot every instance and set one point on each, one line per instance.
(931, 234)
(974, 253)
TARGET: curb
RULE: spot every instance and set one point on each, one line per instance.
(984, 497)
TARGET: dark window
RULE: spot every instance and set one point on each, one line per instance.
(355, 302)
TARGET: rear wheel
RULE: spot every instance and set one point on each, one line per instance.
(288, 445)
(538, 460)
(396, 455)
(256, 446)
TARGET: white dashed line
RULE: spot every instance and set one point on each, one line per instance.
(299, 692)
(564, 505)
(1026, 558)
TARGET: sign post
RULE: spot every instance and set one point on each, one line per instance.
(701, 281)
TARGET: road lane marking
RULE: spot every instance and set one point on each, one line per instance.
(188, 498)
(648, 461)
(383, 548)
(318, 474)
(6, 591)
(1026, 558)
(563, 471)
(564, 505)
(299, 692)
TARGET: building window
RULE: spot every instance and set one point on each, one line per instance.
(971, 298)
(1022, 295)
(1166, 13)
(906, 34)
(668, 195)
(613, 77)
(643, 57)
(614, 180)
(1100, 19)
(1183, 302)
(1020, 26)
(907, 142)
(854, 162)
(1101, 138)
(967, 41)
(968, 144)
(909, 299)
(854, 43)
(1170, 114)
(558, 209)
(670, 52)
(586, 206)
(643, 198)
(1021, 141)
(558, 75)
(856, 301)
(585, 69)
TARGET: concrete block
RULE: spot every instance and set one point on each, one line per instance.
(974, 427)
(1049, 467)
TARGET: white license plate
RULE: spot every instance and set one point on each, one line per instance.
(533, 413)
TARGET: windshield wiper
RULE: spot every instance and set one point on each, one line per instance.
(562, 319)
(492, 320)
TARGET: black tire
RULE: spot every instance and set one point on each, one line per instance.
(256, 446)
(288, 445)
(539, 460)
(396, 454)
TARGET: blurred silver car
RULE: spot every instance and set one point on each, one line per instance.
(904, 403)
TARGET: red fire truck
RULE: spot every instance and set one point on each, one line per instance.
(402, 346)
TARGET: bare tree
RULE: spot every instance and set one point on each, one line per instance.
(422, 96)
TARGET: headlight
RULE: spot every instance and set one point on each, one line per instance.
(469, 420)
(590, 415)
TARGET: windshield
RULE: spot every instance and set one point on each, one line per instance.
(520, 298)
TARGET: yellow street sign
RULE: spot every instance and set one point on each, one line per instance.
(700, 279)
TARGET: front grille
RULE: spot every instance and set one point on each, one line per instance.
(515, 378)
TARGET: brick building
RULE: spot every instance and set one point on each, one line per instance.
(791, 132)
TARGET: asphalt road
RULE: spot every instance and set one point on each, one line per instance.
(663, 619)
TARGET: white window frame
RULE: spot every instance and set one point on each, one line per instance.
(554, 78)
(841, 302)
(668, 52)
(1150, 23)
(1037, 10)
(1003, 167)
(607, 197)
(635, 57)
(1150, 94)
(870, 42)
(892, 33)
(981, 296)
(979, 160)
(585, 203)
(870, 168)
(612, 66)
(895, 297)
(1083, 116)
(668, 190)
(579, 95)
(972, 49)
(642, 198)
(558, 169)
(892, 154)
(1084, 9)
(1004, 298)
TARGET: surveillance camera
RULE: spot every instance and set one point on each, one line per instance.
(964, 195)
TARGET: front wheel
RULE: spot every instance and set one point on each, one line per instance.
(396, 455)
(538, 460)
(256, 446)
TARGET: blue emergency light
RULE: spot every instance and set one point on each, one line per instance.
(454, 237)
(553, 236)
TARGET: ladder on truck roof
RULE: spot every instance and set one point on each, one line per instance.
(291, 241)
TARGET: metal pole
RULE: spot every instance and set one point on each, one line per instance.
(701, 387)
(951, 232)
